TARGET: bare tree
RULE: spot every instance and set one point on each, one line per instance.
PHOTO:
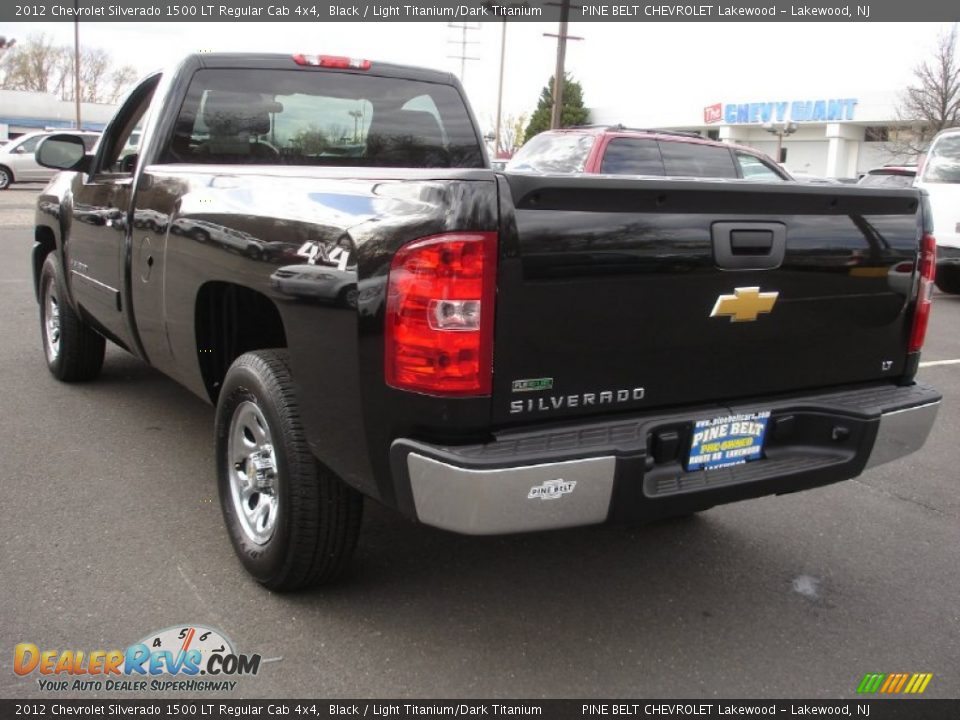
(41, 66)
(932, 102)
(511, 132)
(36, 65)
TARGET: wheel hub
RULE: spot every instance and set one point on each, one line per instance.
(51, 324)
(253, 473)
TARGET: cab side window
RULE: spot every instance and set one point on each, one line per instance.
(118, 155)
(629, 156)
(30, 146)
(687, 159)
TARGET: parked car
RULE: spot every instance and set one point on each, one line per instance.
(940, 177)
(17, 161)
(890, 176)
(618, 150)
(805, 177)
(484, 352)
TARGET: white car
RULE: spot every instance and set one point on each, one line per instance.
(17, 162)
(940, 177)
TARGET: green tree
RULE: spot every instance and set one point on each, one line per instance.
(572, 112)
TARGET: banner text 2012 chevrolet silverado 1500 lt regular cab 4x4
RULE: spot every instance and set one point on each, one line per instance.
(317, 246)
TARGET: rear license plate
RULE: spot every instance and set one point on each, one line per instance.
(727, 440)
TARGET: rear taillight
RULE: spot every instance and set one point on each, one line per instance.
(332, 61)
(927, 269)
(439, 323)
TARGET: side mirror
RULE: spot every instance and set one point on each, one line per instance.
(63, 152)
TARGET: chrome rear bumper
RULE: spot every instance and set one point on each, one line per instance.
(578, 476)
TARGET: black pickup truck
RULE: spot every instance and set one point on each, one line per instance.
(317, 246)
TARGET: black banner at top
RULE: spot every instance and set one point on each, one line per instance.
(476, 11)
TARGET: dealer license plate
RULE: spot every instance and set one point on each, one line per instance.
(727, 440)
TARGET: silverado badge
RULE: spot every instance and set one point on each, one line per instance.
(745, 304)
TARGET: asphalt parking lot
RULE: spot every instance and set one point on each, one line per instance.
(111, 530)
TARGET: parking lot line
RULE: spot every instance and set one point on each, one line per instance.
(932, 363)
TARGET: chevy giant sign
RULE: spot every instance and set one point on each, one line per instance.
(794, 111)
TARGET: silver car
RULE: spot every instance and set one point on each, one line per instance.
(17, 162)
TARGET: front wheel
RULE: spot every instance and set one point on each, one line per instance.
(6, 178)
(73, 349)
(292, 523)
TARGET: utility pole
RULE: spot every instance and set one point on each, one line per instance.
(503, 55)
(464, 28)
(76, 60)
(558, 74)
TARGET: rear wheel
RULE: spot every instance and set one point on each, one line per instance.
(292, 523)
(74, 351)
(948, 279)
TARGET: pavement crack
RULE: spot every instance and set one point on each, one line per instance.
(903, 498)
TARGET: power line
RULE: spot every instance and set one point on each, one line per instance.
(464, 41)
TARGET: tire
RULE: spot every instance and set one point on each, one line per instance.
(6, 178)
(349, 296)
(293, 524)
(948, 279)
(73, 350)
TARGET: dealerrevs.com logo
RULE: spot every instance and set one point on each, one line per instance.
(191, 658)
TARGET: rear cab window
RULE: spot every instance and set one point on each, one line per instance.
(553, 154)
(305, 117)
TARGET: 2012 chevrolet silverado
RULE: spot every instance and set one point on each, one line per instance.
(317, 246)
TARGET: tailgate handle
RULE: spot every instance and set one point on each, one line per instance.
(748, 245)
(751, 242)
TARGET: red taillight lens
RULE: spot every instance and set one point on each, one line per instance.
(439, 324)
(928, 270)
(332, 61)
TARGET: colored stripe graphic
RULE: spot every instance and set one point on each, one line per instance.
(894, 683)
(870, 683)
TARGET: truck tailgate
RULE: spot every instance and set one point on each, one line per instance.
(624, 294)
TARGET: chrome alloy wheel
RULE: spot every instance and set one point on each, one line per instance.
(51, 323)
(253, 473)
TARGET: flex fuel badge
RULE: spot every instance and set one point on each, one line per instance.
(532, 385)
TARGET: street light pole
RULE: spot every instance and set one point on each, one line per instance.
(780, 130)
(76, 60)
(503, 55)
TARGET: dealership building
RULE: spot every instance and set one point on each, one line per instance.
(22, 112)
(835, 137)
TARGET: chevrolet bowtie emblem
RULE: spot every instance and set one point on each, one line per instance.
(745, 304)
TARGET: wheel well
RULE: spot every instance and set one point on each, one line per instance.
(46, 244)
(4, 167)
(231, 320)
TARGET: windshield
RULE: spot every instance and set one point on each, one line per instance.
(559, 153)
(943, 162)
(886, 179)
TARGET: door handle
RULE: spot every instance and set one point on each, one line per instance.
(748, 245)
